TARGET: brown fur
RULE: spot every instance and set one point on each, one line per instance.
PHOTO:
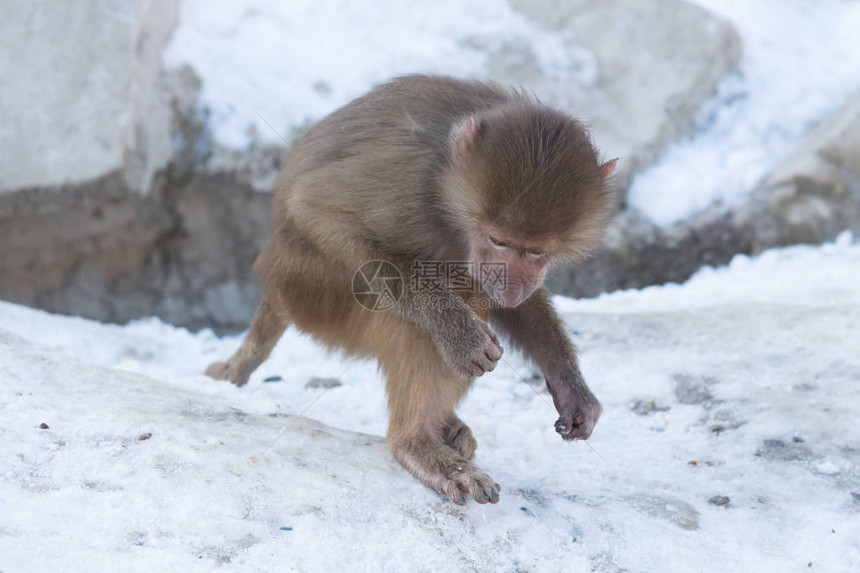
(420, 169)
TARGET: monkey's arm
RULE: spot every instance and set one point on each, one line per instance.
(535, 328)
(465, 342)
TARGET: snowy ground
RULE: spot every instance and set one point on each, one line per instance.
(742, 384)
(294, 62)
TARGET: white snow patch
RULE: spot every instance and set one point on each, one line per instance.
(800, 62)
(797, 276)
(827, 467)
(294, 62)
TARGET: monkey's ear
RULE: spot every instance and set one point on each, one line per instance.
(469, 134)
(608, 168)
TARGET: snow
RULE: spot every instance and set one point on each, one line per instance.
(746, 380)
(294, 62)
(800, 62)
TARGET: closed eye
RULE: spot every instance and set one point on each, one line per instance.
(498, 243)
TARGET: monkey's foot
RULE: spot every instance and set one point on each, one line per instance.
(458, 436)
(442, 469)
(227, 371)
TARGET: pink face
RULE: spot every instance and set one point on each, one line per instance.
(510, 271)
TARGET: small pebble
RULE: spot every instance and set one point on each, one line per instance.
(719, 500)
(285, 528)
(323, 383)
(647, 406)
(272, 379)
(44, 426)
(691, 389)
(144, 436)
(322, 87)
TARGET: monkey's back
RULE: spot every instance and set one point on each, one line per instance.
(387, 147)
(408, 112)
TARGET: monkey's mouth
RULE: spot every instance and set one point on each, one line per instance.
(512, 295)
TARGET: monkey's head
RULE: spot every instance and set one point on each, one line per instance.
(526, 186)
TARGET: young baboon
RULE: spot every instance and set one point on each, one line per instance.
(433, 170)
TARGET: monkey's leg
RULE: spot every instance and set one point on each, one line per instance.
(270, 322)
(424, 434)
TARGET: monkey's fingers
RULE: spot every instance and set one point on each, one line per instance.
(479, 485)
(225, 371)
(485, 364)
(473, 369)
(494, 352)
(578, 428)
(495, 339)
(481, 359)
(482, 488)
(452, 490)
(564, 428)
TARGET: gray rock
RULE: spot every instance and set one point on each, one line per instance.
(810, 198)
(82, 95)
(726, 420)
(125, 223)
(720, 500)
(323, 383)
(815, 193)
(668, 509)
(779, 450)
(101, 251)
(636, 253)
(691, 389)
(647, 406)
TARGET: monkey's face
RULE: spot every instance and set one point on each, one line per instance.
(508, 268)
(526, 186)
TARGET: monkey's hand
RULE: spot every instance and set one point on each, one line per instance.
(577, 407)
(469, 346)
